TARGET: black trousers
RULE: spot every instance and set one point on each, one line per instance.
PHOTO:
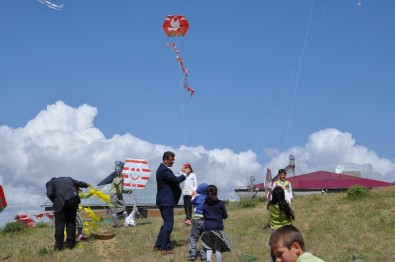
(163, 239)
(188, 206)
(66, 218)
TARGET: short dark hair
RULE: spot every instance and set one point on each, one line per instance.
(287, 235)
(212, 193)
(282, 171)
(167, 155)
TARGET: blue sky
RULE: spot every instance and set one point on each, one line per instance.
(311, 78)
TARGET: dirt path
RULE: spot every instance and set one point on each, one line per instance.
(105, 248)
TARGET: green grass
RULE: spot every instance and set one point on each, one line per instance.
(335, 228)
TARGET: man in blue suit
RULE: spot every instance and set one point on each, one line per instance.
(167, 196)
(64, 196)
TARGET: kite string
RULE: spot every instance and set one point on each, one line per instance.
(183, 114)
(319, 22)
(291, 76)
(275, 107)
(181, 72)
(298, 77)
(180, 76)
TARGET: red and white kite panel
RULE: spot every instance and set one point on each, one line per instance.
(136, 173)
(3, 202)
(175, 25)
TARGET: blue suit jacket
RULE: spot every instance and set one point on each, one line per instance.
(169, 191)
(61, 189)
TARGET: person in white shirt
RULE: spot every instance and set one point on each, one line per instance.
(285, 184)
(189, 190)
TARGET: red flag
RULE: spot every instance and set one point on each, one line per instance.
(49, 215)
(39, 216)
(25, 219)
(3, 202)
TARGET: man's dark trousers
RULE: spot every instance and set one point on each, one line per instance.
(66, 217)
(163, 240)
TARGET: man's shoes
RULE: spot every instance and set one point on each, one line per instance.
(168, 252)
(114, 226)
(157, 249)
(58, 247)
(191, 257)
(187, 222)
(71, 245)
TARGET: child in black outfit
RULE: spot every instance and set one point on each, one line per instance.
(214, 237)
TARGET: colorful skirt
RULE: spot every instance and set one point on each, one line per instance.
(216, 240)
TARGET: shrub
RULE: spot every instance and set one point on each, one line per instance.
(14, 227)
(357, 192)
(42, 225)
(248, 202)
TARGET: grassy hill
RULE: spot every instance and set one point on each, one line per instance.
(334, 227)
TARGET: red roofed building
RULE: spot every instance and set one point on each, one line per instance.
(331, 181)
(319, 182)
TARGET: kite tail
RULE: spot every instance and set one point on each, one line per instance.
(173, 47)
(91, 214)
(100, 194)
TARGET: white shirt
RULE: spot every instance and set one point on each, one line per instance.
(190, 184)
(287, 192)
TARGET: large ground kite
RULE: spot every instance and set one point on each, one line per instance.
(136, 173)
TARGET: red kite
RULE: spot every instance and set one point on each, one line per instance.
(175, 25)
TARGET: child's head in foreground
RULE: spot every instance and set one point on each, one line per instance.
(287, 243)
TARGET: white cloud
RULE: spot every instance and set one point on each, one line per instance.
(330, 147)
(62, 141)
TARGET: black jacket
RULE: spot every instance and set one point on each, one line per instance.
(61, 189)
(169, 191)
